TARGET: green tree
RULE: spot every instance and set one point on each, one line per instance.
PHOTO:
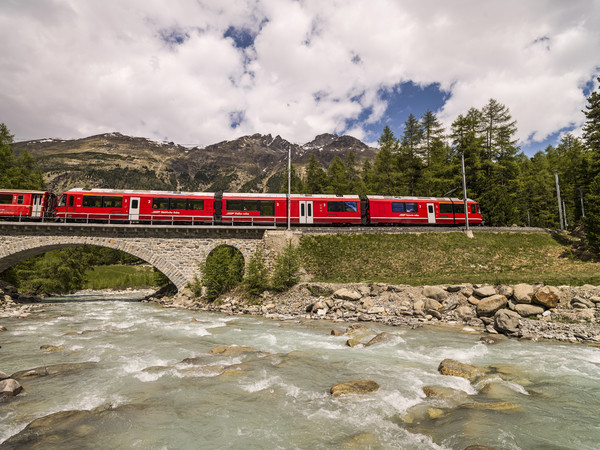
(297, 185)
(285, 270)
(410, 161)
(591, 136)
(256, 280)
(17, 173)
(222, 271)
(384, 175)
(433, 151)
(315, 180)
(337, 180)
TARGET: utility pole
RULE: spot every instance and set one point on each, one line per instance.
(581, 197)
(289, 199)
(560, 212)
(462, 163)
(565, 215)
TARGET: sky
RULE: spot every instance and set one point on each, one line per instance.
(198, 72)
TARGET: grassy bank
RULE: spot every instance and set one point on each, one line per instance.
(120, 277)
(444, 258)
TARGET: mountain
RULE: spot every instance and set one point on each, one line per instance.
(255, 163)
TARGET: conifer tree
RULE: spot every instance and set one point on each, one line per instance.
(432, 149)
(17, 173)
(384, 179)
(337, 181)
(591, 136)
(409, 157)
(256, 280)
(315, 180)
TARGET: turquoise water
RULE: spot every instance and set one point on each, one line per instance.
(143, 394)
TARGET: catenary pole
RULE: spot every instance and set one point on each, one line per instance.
(560, 212)
(581, 197)
(464, 180)
(289, 199)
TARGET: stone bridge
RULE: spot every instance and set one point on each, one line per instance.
(176, 251)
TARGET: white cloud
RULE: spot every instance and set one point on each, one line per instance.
(71, 68)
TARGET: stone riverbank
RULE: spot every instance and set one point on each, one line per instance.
(563, 313)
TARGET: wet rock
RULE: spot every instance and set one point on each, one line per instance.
(337, 333)
(435, 293)
(362, 441)
(354, 387)
(523, 293)
(526, 310)
(547, 296)
(2, 329)
(381, 337)
(445, 393)
(347, 294)
(489, 305)
(353, 342)
(56, 369)
(457, 369)
(497, 390)
(485, 291)
(3, 375)
(435, 413)
(494, 406)
(10, 388)
(506, 321)
(491, 340)
(231, 350)
(51, 348)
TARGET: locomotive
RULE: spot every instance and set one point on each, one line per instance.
(205, 208)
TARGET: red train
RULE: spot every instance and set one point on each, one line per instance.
(160, 207)
(26, 204)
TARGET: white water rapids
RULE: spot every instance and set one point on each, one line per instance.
(143, 395)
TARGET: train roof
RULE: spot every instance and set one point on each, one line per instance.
(404, 198)
(21, 191)
(295, 196)
(140, 192)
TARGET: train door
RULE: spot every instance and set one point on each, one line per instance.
(430, 213)
(36, 205)
(306, 211)
(134, 208)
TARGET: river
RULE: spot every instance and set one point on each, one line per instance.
(141, 393)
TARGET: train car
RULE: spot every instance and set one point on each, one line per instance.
(325, 209)
(26, 204)
(111, 205)
(252, 209)
(420, 210)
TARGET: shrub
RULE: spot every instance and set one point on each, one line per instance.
(285, 272)
(256, 280)
(222, 271)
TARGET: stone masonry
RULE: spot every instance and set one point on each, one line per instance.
(176, 251)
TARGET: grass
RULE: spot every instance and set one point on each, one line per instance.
(444, 258)
(120, 277)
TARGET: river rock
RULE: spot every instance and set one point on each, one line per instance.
(495, 406)
(56, 369)
(2, 329)
(231, 350)
(506, 320)
(526, 310)
(547, 296)
(435, 293)
(432, 305)
(582, 303)
(3, 376)
(51, 348)
(473, 300)
(457, 369)
(362, 441)
(378, 339)
(445, 393)
(523, 293)
(489, 305)
(485, 291)
(465, 313)
(337, 333)
(353, 342)
(10, 388)
(347, 294)
(505, 290)
(354, 387)
(455, 288)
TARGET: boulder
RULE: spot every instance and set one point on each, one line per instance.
(362, 440)
(353, 342)
(367, 303)
(505, 290)
(465, 313)
(485, 291)
(523, 293)
(3, 376)
(445, 393)
(506, 320)
(347, 294)
(457, 369)
(473, 300)
(454, 288)
(51, 348)
(231, 350)
(381, 337)
(432, 305)
(526, 310)
(435, 293)
(354, 387)
(10, 388)
(418, 307)
(547, 296)
(489, 305)
(337, 333)
(582, 303)
(56, 369)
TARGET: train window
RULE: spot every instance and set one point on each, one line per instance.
(160, 203)
(478, 210)
(342, 207)
(6, 199)
(251, 205)
(459, 208)
(234, 205)
(112, 202)
(267, 208)
(473, 209)
(195, 204)
(178, 203)
(92, 201)
(398, 207)
(62, 201)
(445, 208)
(71, 200)
(20, 199)
(412, 207)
